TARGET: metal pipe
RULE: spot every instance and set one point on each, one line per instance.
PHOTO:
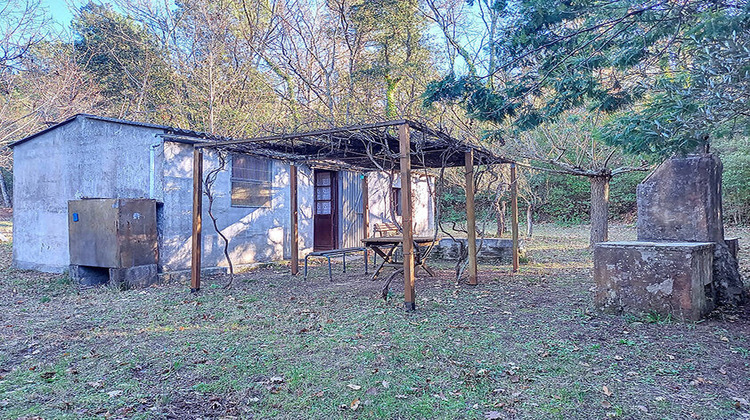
(152, 170)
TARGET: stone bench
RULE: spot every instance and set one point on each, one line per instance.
(489, 250)
(668, 278)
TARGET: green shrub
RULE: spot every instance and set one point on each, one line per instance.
(735, 155)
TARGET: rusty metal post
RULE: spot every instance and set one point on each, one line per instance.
(293, 215)
(197, 242)
(471, 221)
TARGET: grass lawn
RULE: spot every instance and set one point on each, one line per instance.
(530, 345)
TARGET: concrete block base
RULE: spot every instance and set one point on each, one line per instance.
(89, 276)
(136, 277)
(123, 278)
(668, 278)
(734, 246)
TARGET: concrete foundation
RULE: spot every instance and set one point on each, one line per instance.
(668, 278)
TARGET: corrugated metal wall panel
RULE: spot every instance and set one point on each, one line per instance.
(351, 216)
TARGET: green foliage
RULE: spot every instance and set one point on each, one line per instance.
(735, 155)
(622, 197)
(452, 204)
(565, 199)
(672, 75)
(562, 199)
(481, 103)
(657, 318)
(392, 31)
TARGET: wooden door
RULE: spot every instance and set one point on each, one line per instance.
(326, 216)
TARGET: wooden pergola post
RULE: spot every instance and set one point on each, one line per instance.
(293, 215)
(404, 145)
(514, 213)
(471, 221)
(197, 243)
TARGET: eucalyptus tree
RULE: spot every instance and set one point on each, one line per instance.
(395, 48)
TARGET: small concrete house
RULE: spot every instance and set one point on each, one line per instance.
(88, 156)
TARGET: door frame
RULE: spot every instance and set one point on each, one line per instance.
(334, 207)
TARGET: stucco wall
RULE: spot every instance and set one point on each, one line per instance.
(423, 189)
(84, 158)
(89, 158)
(255, 233)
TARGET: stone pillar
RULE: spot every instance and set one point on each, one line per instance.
(681, 201)
(681, 264)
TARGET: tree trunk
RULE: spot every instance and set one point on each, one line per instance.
(599, 209)
(390, 96)
(529, 221)
(500, 218)
(4, 191)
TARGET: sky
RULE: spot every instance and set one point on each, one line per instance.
(60, 10)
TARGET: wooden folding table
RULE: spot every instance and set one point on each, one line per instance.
(385, 246)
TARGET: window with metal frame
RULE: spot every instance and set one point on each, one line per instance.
(251, 181)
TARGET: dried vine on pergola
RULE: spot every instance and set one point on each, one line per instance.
(361, 149)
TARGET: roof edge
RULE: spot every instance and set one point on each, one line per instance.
(39, 133)
(180, 135)
(91, 117)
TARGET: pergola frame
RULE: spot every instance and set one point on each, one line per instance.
(402, 144)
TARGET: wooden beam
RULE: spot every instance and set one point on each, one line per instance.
(293, 215)
(514, 213)
(197, 242)
(471, 221)
(365, 206)
(404, 146)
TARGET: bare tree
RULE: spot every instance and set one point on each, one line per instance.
(40, 83)
(569, 146)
